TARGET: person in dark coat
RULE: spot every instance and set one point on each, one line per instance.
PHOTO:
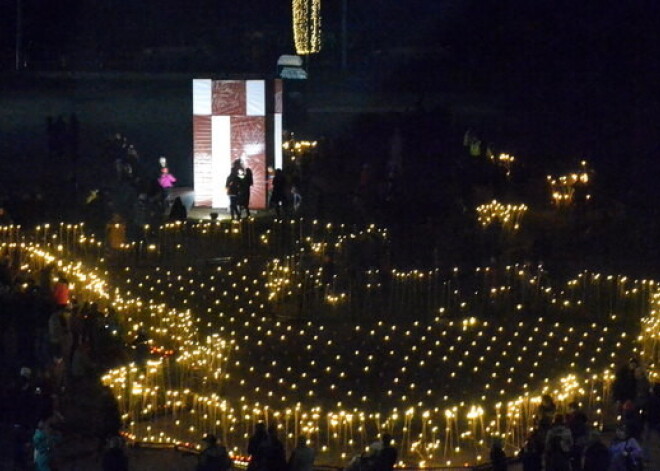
(278, 198)
(244, 194)
(653, 410)
(272, 451)
(233, 187)
(387, 456)
(214, 457)
(596, 454)
(556, 458)
(545, 412)
(625, 385)
(498, 457)
(254, 448)
(531, 455)
(178, 211)
(114, 457)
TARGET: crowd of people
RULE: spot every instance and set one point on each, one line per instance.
(567, 442)
(53, 350)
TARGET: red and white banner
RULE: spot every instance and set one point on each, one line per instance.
(230, 122)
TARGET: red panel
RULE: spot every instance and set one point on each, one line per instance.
(248, 135)
(202, 166)
(229, 97)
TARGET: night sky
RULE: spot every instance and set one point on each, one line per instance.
(595, 63)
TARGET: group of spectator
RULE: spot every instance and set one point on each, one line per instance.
(238, 185)
(53, 343)
(267, 452)
(568, 443)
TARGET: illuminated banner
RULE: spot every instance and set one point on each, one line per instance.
(235, 120)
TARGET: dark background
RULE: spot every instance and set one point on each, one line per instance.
(552, 82)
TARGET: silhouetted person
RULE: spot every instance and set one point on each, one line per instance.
(545, 412)
(214, 457)
(244, 194)
(531, 456)
(272, 451)
(302, 457)
(114, 457)
(233, 187)
(254, 447)
(625, 385)
(387, 456)
(178, 211)
(278, 198)
(556, 457)
(596, 454)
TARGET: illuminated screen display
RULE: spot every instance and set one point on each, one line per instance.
(235, 120)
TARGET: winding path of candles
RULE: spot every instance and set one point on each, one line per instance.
(442, 359)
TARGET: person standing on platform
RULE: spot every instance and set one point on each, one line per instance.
(244, 195)
(233, 187)
(166, 179)
(278, 198)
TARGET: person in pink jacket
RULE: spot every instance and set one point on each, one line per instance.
(166, 179)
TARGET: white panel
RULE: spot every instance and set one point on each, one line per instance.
(202, 97)
(255, 97)
(221, 151)
(278, 140)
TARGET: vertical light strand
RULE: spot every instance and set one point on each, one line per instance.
(307, 26)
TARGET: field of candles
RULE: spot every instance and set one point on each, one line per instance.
(302, 326)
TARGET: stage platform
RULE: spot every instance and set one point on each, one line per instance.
(202, 214)
(196, 213)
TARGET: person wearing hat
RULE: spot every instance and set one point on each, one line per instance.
(214, 457)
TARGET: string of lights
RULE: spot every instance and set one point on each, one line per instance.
(307, 26)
